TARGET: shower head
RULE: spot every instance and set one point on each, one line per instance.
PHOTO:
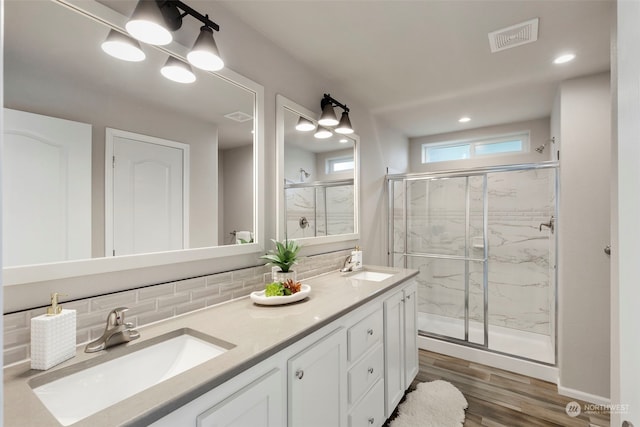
(305, 173)
(540, 149)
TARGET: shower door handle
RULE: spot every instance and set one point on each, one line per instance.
(551, 225)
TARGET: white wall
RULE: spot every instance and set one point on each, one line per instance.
(539, 135)
(625, 271)
(583, 232)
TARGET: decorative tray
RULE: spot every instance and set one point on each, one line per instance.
(259, 298)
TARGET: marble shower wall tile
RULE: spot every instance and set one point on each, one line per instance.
(520, 274)
(306, 202)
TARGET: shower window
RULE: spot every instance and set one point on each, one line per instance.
(433, 152)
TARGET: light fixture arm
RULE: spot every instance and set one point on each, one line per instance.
(328, 99)
(187, 10)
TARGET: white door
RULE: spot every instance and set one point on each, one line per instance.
(46, 201)
(147, 204)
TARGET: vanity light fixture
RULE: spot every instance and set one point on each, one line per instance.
(323, 133)
(328, 116)
(123, 47)
(178, 71)
(305, 125)
(153, 22)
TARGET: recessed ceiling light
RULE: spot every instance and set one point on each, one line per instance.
(464, 119)
(343, 140)
(562, 59)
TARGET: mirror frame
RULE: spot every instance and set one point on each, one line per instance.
(283, 103)
(13, 276)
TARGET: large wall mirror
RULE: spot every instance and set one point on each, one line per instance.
(107, 164)
(317, 179)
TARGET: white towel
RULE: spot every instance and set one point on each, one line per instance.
(243, 237)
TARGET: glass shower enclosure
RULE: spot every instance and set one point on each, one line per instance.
(484, 242)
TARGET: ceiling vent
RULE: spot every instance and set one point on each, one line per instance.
(238, 116)
(515, 35)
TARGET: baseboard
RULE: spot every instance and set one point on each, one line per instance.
(496, 360)
(581, 395)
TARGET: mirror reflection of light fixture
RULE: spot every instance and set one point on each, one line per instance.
(178, 71)
(123, 47)
(323, 133)
(305, 125)
(204, 53)
(328, 116)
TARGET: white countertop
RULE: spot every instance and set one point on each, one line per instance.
(256, 331)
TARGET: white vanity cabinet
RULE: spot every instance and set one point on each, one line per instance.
(317, 388)
(257, 405)
(254, 398)
(401, 347)
(352, 372)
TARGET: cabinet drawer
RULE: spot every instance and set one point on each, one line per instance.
(364, 334)
(370, 411)
(366, 372)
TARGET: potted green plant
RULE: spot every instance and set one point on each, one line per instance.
(283, 257)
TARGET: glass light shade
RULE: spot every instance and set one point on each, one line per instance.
(305, 125)
(323, 133)
(328, 116)
(344, 127)
(147, 24)
(122, 47)
(205, 54)
(178, 71)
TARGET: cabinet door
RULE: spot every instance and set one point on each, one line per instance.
(393, 351)
(317, 383)
(410, 334)
(260, 404)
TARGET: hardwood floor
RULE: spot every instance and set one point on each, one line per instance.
(499, 398)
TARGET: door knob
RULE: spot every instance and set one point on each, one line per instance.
(607, 249)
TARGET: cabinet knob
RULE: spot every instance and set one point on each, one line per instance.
(408, 296)
(370, 370)
(299, 374)
(372, 420)
(370, 331)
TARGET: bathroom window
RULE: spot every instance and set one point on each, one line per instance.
(339, 164)
(485, 147)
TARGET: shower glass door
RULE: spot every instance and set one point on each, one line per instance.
(486, 265)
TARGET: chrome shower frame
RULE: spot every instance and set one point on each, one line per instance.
(466, 173)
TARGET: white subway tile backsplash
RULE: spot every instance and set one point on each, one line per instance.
(158, 302)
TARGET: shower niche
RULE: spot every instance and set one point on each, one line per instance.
(486, 259)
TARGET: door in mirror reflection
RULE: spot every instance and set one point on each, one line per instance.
(46, 200)
(148, 202)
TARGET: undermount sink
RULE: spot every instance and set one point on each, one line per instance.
(81, 393)
(372, 276)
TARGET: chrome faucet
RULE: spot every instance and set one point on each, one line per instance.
(348, 264)
(117, 332)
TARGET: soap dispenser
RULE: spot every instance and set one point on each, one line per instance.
(356, 258)
(53, 336)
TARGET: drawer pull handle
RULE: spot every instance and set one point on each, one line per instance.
(370, 370)
(370, 331)
(372, 420)
(299, 374)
